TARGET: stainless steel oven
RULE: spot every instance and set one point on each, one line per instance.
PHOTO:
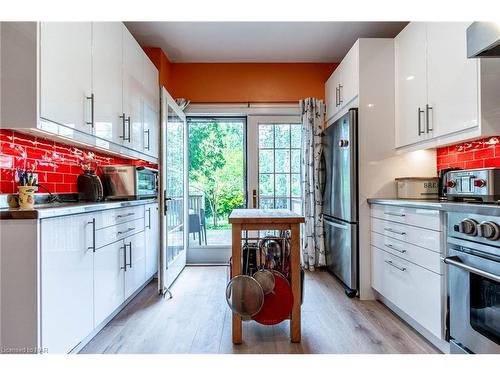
(474, 283)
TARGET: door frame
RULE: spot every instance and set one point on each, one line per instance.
(253, 148)
(166, 278)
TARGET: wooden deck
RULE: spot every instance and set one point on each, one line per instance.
(197, 320)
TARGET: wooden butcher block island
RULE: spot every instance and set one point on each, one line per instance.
(269, 219)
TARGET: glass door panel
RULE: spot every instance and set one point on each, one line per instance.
(274, 160)
(217, 182)
(172, 191)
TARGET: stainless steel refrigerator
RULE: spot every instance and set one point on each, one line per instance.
(339, 165)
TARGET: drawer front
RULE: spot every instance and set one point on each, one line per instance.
(423, 218)
(119, 215)
(413, 289)
(425, 238)
(108, 235)
(415, 254)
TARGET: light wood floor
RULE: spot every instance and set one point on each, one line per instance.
(197, 320)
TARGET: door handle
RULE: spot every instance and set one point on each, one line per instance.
(419, 113)
(427, 118)
(124, 247)
(455, 261)
(389, 262)
(91, 98)
(254, 198)
(93, 235)
(395, 231)
(130, 254)
(391, 246)
(337, 225)
(148, 146)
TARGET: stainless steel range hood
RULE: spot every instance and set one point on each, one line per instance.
(483, 39)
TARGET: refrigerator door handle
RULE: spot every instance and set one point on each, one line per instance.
(322, 173)
(336, 224)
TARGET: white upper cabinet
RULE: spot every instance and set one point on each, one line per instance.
(107, 87)
(65, 74)
(151, 106)
(132, 91)
(349, 77)
(452, 79)
(442, 97)
(343, 85)
(411, 84)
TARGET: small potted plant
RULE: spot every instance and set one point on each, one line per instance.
(27, 185)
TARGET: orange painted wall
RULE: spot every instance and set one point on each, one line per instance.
(242, 82)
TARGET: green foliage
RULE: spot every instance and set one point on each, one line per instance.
(216, 166)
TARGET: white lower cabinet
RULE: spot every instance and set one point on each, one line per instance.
(414, 289)
(68, 275)
(66, 282)
(151, 232)
(109, 280)
(406, 267)
(135, 271)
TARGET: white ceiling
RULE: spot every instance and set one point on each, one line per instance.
(258, 41)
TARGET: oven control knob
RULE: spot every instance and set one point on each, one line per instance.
(469, 227)
(479, 183)
(489, 230)
(451, 184)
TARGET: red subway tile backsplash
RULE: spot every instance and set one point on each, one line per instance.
(57, 164)
(469, 155)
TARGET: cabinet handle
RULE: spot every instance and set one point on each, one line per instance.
(93, 235)
(129, 214)
(149, 218)
(336, 96)
(91, 98)
(395, 231)
(390, 246)
(129, 134)
(124, 247)
(427, 118)
(130, 254)
(394, 214)
(389, 262)
(148, 147)
(340, 94)
(126, 231)
(420, 131)
(124, 136)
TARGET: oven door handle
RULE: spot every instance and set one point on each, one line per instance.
(455, 261)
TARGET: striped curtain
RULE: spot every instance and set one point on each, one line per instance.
(313, 247)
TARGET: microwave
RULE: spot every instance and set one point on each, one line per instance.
(128, 182)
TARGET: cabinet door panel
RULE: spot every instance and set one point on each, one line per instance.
(151, 108)
(350, 76)
(67, 281)
(135, 274)
(411, 83)
(109, 288)
(65, 73)
(107, 79)
(133, 90)
(452, 79)
(152, 227)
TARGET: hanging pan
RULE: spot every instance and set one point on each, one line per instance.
(277, 305)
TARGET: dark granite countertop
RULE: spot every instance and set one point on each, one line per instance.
(448, 206)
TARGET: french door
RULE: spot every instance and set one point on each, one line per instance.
(173, 194)
(274, 162)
